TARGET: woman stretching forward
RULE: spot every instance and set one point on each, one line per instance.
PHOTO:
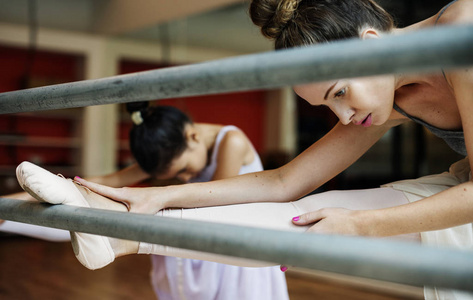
(167, 144)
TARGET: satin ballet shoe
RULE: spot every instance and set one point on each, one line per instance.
(44, 186)
(92, 251)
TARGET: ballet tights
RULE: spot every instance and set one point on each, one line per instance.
(276, 216)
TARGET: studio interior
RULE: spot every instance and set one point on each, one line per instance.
(49, 42)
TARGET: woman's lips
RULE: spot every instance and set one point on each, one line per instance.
(366, 122)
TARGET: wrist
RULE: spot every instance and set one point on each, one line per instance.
(369, 223)
(170, 200)
(179, 196)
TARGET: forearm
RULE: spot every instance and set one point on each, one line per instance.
(254, 187)
(125, 177)
(308, 171)
(312, 168)
(452, 207)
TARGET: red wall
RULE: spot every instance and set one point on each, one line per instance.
(47, 68)
(244, 110)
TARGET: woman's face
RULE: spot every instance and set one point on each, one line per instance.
(189, 164)
(362, 101)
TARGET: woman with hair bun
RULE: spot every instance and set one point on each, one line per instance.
(166, 144)
(436, 210)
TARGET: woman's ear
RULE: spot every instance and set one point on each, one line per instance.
(192, 136)
(369, 33)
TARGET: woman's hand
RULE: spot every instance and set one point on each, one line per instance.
(138, 200)
(333, 221)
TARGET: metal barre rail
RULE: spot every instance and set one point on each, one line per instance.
(427, 50)
(370, 258)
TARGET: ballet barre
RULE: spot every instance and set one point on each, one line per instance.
(400, 262)
(420, 51)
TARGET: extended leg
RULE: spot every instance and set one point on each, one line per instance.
(99, 253)
(278, 216)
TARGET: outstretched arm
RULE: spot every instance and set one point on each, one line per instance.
(326, 158)
(449, 208)
(125, 177)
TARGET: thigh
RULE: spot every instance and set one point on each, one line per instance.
(358, 200)
(353, 199)
(269, 215)
(279, 215)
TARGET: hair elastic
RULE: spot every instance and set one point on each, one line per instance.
(136, 117)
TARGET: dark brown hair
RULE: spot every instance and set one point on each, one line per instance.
(293, 23)
(159, 138)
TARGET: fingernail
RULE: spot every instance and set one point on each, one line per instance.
(283, 268)
(77, 177)
(295, 219)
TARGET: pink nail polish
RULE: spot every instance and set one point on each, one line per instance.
(295, 219)
(283, 268)
(77, 177)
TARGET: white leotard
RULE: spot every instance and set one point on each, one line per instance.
(180, 278)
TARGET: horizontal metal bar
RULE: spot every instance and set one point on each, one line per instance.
(426, 50)
(405, 263)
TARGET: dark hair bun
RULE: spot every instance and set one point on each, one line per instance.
(136, 106)
(272, 15)
(294, 23)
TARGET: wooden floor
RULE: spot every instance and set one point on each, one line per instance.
(35, 269)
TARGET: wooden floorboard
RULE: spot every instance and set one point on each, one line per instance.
(36, 269)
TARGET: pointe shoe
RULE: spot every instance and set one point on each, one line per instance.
(92, 251)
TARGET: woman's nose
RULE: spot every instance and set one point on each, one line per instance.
(344, 113)
(185, 177)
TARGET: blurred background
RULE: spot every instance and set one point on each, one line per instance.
(44, 42)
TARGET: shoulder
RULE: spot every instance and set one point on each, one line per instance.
(459, 12)
(235, 145)
(461, 81)
(234, 151)
(235, 140)
(455, 13)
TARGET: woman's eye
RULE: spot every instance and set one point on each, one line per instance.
(340, 93)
